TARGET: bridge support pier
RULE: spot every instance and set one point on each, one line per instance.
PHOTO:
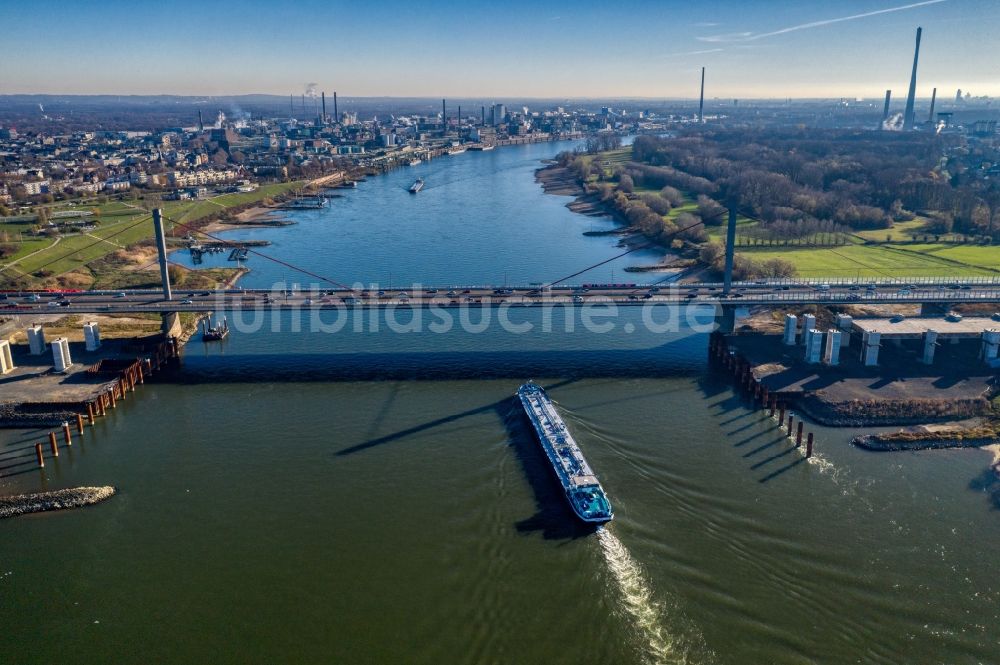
(869, 348)
(729, 317)
(814, 346)
(991, 345)
(808, 323)
(844, 323)
(791, 322)
(930, 344)
(831, 354)
(171, 324)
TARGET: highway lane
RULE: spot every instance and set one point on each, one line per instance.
(783, 294)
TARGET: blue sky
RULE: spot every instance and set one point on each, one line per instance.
(502, 48)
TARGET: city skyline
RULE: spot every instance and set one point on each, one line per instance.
(584, 50)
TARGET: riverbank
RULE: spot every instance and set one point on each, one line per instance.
(972, 437)
(897, 393)
(22, 504)
(560, 181)
(132, 348)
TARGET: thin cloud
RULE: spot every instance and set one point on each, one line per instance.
(705, 24)
(749, 36)
(702, 52)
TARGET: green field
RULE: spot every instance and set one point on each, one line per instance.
(900, 231)
(120, 226)
(886, 260)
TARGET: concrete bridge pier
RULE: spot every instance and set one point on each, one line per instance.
(808, 323)
(729, 317)
(991, 345)
(791, 321)
(814, 346)
(844, 324)
(930, 344)
(170, 325)
(831, 352)
(870, 343)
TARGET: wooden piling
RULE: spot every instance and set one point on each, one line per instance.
(38, 455)
(791, 419)
(90, 414)
(79, 424)
(798, 435)
(66, 435)
(114, 398)
(781, 418)
(52, 444)
(809, 445)
(773, 402)
(100, 405)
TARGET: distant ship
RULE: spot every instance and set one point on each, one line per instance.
(456, 150)
(582, 489)
(417, 185)
(414, 162)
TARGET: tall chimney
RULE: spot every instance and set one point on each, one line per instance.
(201, 123)
(323, 97)
(459, 117)
(885, 109)
(930, 118)
(303, 105)
(701, 99)
(336, 116)
(908, 113)
(291, 104)
(444, 115)
(484, 116)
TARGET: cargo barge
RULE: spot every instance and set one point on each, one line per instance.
(582, 489)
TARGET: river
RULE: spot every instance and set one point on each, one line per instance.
(377, 497)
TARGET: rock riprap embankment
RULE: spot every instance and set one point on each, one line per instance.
(11, 506)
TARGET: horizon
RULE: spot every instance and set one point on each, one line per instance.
(859, 48)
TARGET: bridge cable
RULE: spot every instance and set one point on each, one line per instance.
(647, 245)
(262, 255)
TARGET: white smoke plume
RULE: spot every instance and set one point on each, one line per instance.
(312, 90)
(893, 123)
(220, 120)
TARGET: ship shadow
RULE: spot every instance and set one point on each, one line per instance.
(553, 517)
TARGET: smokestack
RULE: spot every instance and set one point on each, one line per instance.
(336, 116)
(323, 97)
(908, 113)
(303, 104)
(933, 100)
(701, 99)
(484, 116)
(885, 109)
(201, 123)
(459, 117)
(291, 104)
(444, 115)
